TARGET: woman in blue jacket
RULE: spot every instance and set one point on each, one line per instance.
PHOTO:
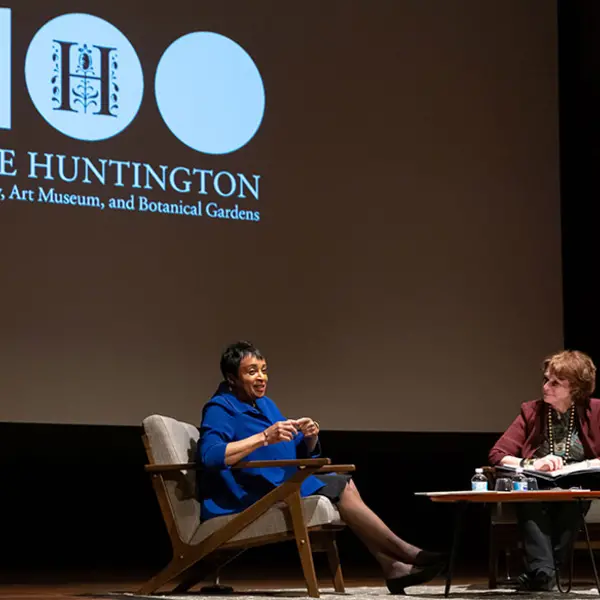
(240, 422)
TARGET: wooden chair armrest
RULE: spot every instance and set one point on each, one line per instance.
(296, 462)
(337, 469)
(250, 464)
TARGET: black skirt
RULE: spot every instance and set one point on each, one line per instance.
(335, 484)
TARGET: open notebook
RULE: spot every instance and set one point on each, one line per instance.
(579, 473)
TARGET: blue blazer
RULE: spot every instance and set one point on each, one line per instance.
(225, 419)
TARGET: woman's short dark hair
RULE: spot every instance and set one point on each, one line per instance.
(234, 354)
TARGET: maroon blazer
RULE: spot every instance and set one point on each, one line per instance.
(526, 432)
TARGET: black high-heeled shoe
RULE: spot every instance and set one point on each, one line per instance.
(417, 576)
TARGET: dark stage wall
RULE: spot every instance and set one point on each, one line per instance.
(76, 498)
(579, 45)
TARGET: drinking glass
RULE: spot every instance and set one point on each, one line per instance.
(503, 484)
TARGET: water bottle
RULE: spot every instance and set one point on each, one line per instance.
(519, 481)
(479, 482)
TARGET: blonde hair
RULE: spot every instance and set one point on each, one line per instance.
(577, 368)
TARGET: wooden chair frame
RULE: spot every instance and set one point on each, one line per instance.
(308, 540)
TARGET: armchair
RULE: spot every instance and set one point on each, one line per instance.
(278, 516)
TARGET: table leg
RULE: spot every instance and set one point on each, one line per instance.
(589, 543)
(557, 572)
(458, 523)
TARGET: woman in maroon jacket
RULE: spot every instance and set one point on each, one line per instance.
(560, 428)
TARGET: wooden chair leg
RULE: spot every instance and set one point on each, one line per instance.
(294, 503)
(333, 558)
(207, 569)
(194, 575)
(174, 568)
(185, 561)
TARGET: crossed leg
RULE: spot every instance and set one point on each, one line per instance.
(397, 557)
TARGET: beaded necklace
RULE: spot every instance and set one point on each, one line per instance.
(569, 432)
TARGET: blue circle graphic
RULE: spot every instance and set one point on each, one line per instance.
(209, 92)
(84, 76)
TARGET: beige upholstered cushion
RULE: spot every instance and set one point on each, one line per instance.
(318, 510)
(173, 442)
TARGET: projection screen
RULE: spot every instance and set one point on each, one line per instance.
(366, 190)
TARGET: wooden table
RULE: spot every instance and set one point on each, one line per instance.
(463, 498)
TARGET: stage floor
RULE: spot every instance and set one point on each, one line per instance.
(260, 584)
(96, 587)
